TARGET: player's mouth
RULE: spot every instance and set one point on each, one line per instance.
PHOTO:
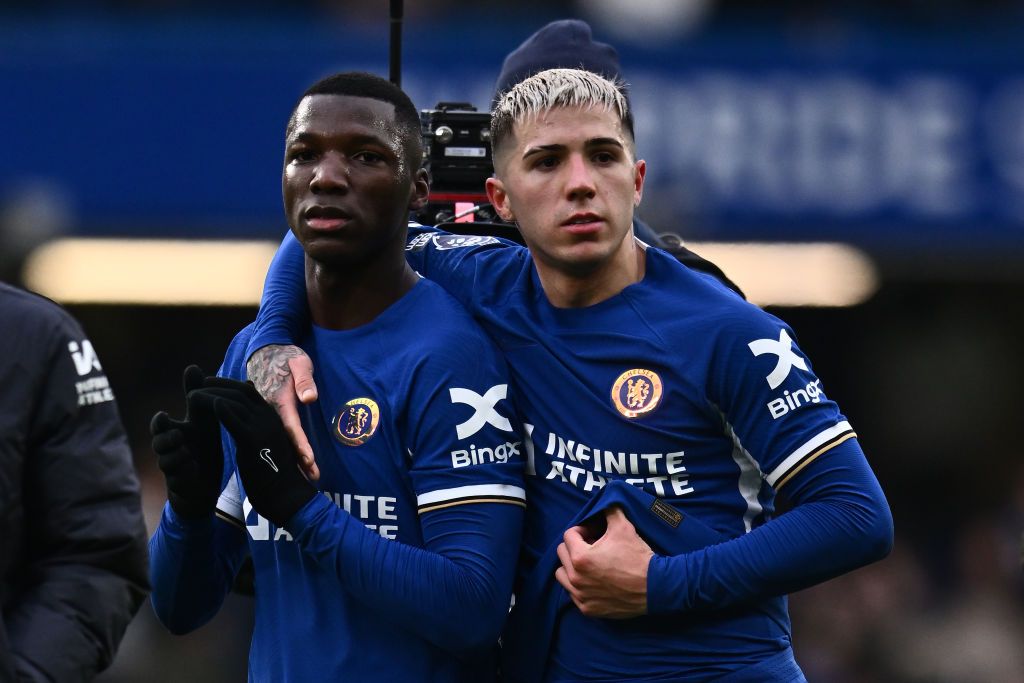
(583, 223)
(326, 218)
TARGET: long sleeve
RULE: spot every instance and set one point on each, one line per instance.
(454, 592)
(85, 571)
(284, 310)
(193, 565)
(283, 307)
(193, 562)
(840, 521)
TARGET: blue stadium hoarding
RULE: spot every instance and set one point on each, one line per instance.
(176, 130)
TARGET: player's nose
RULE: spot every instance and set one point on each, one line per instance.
(331, 174)
(580, 179)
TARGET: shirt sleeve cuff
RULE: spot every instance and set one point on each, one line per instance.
(666, 588)
(186, 525)
(308, 515)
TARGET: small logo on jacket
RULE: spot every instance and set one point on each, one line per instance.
(357, 421)
(636, 392)
(85, 357)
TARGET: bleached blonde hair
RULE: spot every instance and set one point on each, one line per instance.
(556, 88)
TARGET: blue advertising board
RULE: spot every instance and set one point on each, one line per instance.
(889, 141)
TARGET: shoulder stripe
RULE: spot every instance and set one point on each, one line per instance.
(817, 445)
(459, 493)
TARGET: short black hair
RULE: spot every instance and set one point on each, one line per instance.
(363, 84)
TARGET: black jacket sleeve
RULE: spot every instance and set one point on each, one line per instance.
(78, 572)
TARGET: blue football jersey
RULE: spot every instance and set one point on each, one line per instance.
(414, 416)
(675, 385)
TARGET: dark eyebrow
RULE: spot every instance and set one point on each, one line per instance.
(370, 140)
(602, 142)
(592, 142)
(308, 137)
(543, 148)
(302, 137)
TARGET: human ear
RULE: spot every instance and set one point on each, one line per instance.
(420, 191)
(498, 198)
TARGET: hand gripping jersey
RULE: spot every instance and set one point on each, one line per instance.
(415, 442)
(678, 386)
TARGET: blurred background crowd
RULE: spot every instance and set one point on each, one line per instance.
(894, 128)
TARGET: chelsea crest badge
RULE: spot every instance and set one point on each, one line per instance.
(636, 392)
(357, 421)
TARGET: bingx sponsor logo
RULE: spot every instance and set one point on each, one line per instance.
(787, 359)
(484, 411)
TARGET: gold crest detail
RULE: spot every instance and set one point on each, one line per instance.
(357, 421)
(636, 392)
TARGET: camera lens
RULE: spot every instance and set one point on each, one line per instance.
(444, 134)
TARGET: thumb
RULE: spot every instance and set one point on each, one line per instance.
(193, 378)
(574, 541)
(160, 423)
(302, 375)
(617, 520)
(621, 532)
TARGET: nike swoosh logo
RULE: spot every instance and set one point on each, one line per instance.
(265, 455)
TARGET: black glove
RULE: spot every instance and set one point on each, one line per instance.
(189, 451)
(267, 461)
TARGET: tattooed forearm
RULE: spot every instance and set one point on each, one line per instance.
(283, 375)
(268, 369)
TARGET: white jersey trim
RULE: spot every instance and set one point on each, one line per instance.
(229, 504)
(470, 494)
(828, 438)
(749, 481)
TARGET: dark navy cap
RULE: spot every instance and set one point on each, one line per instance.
(562, 44)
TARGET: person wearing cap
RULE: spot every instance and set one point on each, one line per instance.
(569, 43)
(661, 415)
